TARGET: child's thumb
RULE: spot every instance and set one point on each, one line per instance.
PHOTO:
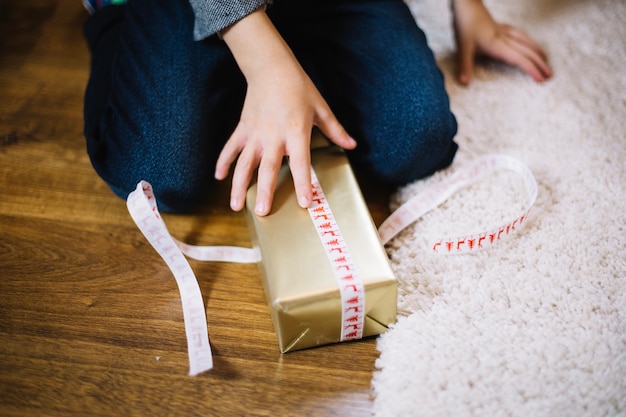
(465, 70)
(335, 131)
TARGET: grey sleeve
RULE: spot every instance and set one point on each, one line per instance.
(211, 16)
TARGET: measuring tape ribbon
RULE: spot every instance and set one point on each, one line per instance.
(351, 287)
(436, 194)
(143, 209)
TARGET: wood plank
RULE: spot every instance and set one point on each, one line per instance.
(91, 318)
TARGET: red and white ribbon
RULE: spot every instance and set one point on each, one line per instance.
(436, 194)
(350, 285)
(143, 209)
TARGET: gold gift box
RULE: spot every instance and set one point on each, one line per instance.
(300, 285)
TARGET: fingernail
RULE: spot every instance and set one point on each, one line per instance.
(304, 202)
(260, 209)
(234, 204)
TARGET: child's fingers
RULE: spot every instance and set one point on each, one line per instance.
(266, 180)
(531, 52)
(300, 166)
(526, 58)
(330, 126)
(246, 164)
(520, 36)
(227, 156)
(466, 51)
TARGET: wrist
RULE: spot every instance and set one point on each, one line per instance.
(256, 45)
(461, 4)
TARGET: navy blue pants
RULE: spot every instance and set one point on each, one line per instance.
(159, 106)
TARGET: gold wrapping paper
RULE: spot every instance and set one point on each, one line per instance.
(301, 288)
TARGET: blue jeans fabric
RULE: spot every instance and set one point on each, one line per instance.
(159, 106)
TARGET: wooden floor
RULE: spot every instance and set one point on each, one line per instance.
(90, 318)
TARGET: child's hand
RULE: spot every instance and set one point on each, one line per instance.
(478, 34)
(280, 109)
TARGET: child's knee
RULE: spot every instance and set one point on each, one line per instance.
(418, 151)
(172, 196)
(180, 176)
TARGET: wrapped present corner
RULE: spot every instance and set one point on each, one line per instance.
(301, 282)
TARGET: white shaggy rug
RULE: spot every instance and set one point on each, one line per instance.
(534, 326)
